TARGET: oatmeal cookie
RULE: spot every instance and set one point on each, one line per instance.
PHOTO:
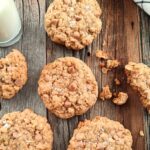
(13, 74)
(73, 23)
(67, 87)
(138, 75)
(99, 134)
(25, 131)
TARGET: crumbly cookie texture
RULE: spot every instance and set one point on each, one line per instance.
(138, 75)
(106, 93)
(25, 131)
(101, 54)
(112, 64)
(73, 23)
(67, 87)
(13, 74)
(121, 98)
(99, 134)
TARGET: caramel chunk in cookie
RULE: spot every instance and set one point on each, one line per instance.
(100, 133)
(13, 74)
(73, 23)
(25, 131)
(138, 75)
(106, 93)
(121, 98)
(67, 87)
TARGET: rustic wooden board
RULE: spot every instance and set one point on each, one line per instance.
(125, 35)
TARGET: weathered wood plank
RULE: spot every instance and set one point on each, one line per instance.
(32, 45)
(132, 112)
(145, 45)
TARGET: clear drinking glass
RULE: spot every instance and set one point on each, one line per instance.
(10, 23)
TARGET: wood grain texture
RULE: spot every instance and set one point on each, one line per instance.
(145, 46)
(120, 35)
(32, 45)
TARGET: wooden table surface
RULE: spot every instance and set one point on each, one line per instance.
(125, 34)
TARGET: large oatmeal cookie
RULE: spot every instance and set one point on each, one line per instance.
(99, 134)
(67, 87)
(13, 74)
(25, 131)
(138, 75)
(73, 23)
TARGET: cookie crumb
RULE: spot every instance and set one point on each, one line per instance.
(141, 133)
(111, 64)
(106, 93)
(121, 99)
(104, 43)
(101, 54)
(117, 81)
(104, 70)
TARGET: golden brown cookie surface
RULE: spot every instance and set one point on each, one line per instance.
(67, 87)
(99, 134)
(13, 74)
(73, 23)
(25, 131)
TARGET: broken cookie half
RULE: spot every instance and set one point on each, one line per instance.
(138, 76)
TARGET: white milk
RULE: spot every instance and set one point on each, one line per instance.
(10, 24)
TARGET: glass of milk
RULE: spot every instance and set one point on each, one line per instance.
(10, 23)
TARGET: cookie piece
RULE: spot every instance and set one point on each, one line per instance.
(67, 87)
(111, 64)
(99, 134)
(121, 98)
(102, 54)
(73, 23)
(13, 74)
(25, 131)
(138, 75)
(117, 81)
(105, 94)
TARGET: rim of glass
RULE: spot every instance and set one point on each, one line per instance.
(12, 37)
